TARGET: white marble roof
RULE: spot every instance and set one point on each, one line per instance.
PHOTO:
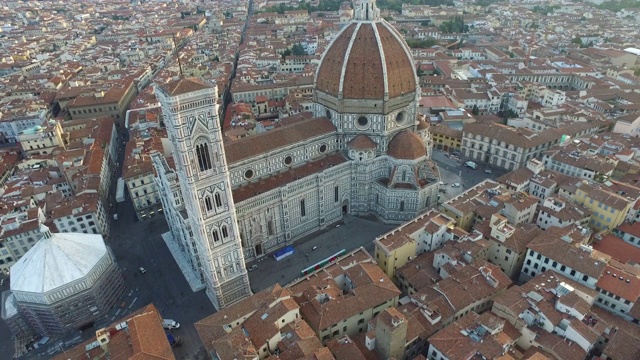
(56, 261)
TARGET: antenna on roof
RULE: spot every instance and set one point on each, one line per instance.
(173, 37)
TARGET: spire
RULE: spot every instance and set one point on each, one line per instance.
(366, 10)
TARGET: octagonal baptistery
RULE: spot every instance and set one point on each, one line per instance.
(366, 82)
(65, 282)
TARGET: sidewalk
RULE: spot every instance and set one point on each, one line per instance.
(191, 277)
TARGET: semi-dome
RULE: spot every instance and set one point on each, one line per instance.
(368, 59)
(56, 260)
(362, 142)
(406, 145)
(423, 125)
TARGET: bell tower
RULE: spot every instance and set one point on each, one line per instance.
(190, 113)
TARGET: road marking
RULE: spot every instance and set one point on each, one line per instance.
(134, 300)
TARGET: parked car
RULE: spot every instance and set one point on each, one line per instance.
(253, 267)
(455, 185)
(314, 247)
(174, 341)
(170, 324)
(471, 164)
(487, 171)
(143, 270)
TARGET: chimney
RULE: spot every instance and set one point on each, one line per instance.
(102, 336)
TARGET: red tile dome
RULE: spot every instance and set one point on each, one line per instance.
(406, 145)
(365, 61)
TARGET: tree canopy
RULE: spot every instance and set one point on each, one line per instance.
(298, 49)
(325, 5)
(396, 5)
(455, 24)
(421, 44)
(617, 5)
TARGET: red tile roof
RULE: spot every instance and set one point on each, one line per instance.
(618, 249)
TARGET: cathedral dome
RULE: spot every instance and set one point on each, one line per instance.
(368, 59)
(406, 145)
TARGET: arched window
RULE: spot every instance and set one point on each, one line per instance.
(216, 236)
(208, 203)
(204, 158)
(218, 200)
(225, 232)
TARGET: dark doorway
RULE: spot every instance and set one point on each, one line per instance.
(258, 249)
(345, 209)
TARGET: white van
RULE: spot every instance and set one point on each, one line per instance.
(170, 324)
(471, 164)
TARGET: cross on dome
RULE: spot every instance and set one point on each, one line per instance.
(366, 10)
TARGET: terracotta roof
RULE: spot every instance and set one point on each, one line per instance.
(266, 142)
(554, 247)
(622, 345)
(559, 346)
(618, 249)
(333, 61)
(455, 340)
(277, 180)
(368, 49)
(620, 283)
(184, 85)
(406, 145)
(144, 338)
(423, 125)
(630, 228)
(362, 142)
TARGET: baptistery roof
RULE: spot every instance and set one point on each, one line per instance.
(367, 60)
(56, 260)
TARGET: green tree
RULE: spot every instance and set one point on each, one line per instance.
(298, 50)
(577, 41)
(455, 24)
(617, 5)
(475, 110)
(425, 23)
(286, 53)
(419, 71)
(421, 44)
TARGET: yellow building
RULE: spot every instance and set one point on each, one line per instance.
(608, 208)
(393, 251)
(446, 138)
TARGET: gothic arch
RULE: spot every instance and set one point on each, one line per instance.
(208, 203)
(217, 199)
(225, 231)
(203, 154)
